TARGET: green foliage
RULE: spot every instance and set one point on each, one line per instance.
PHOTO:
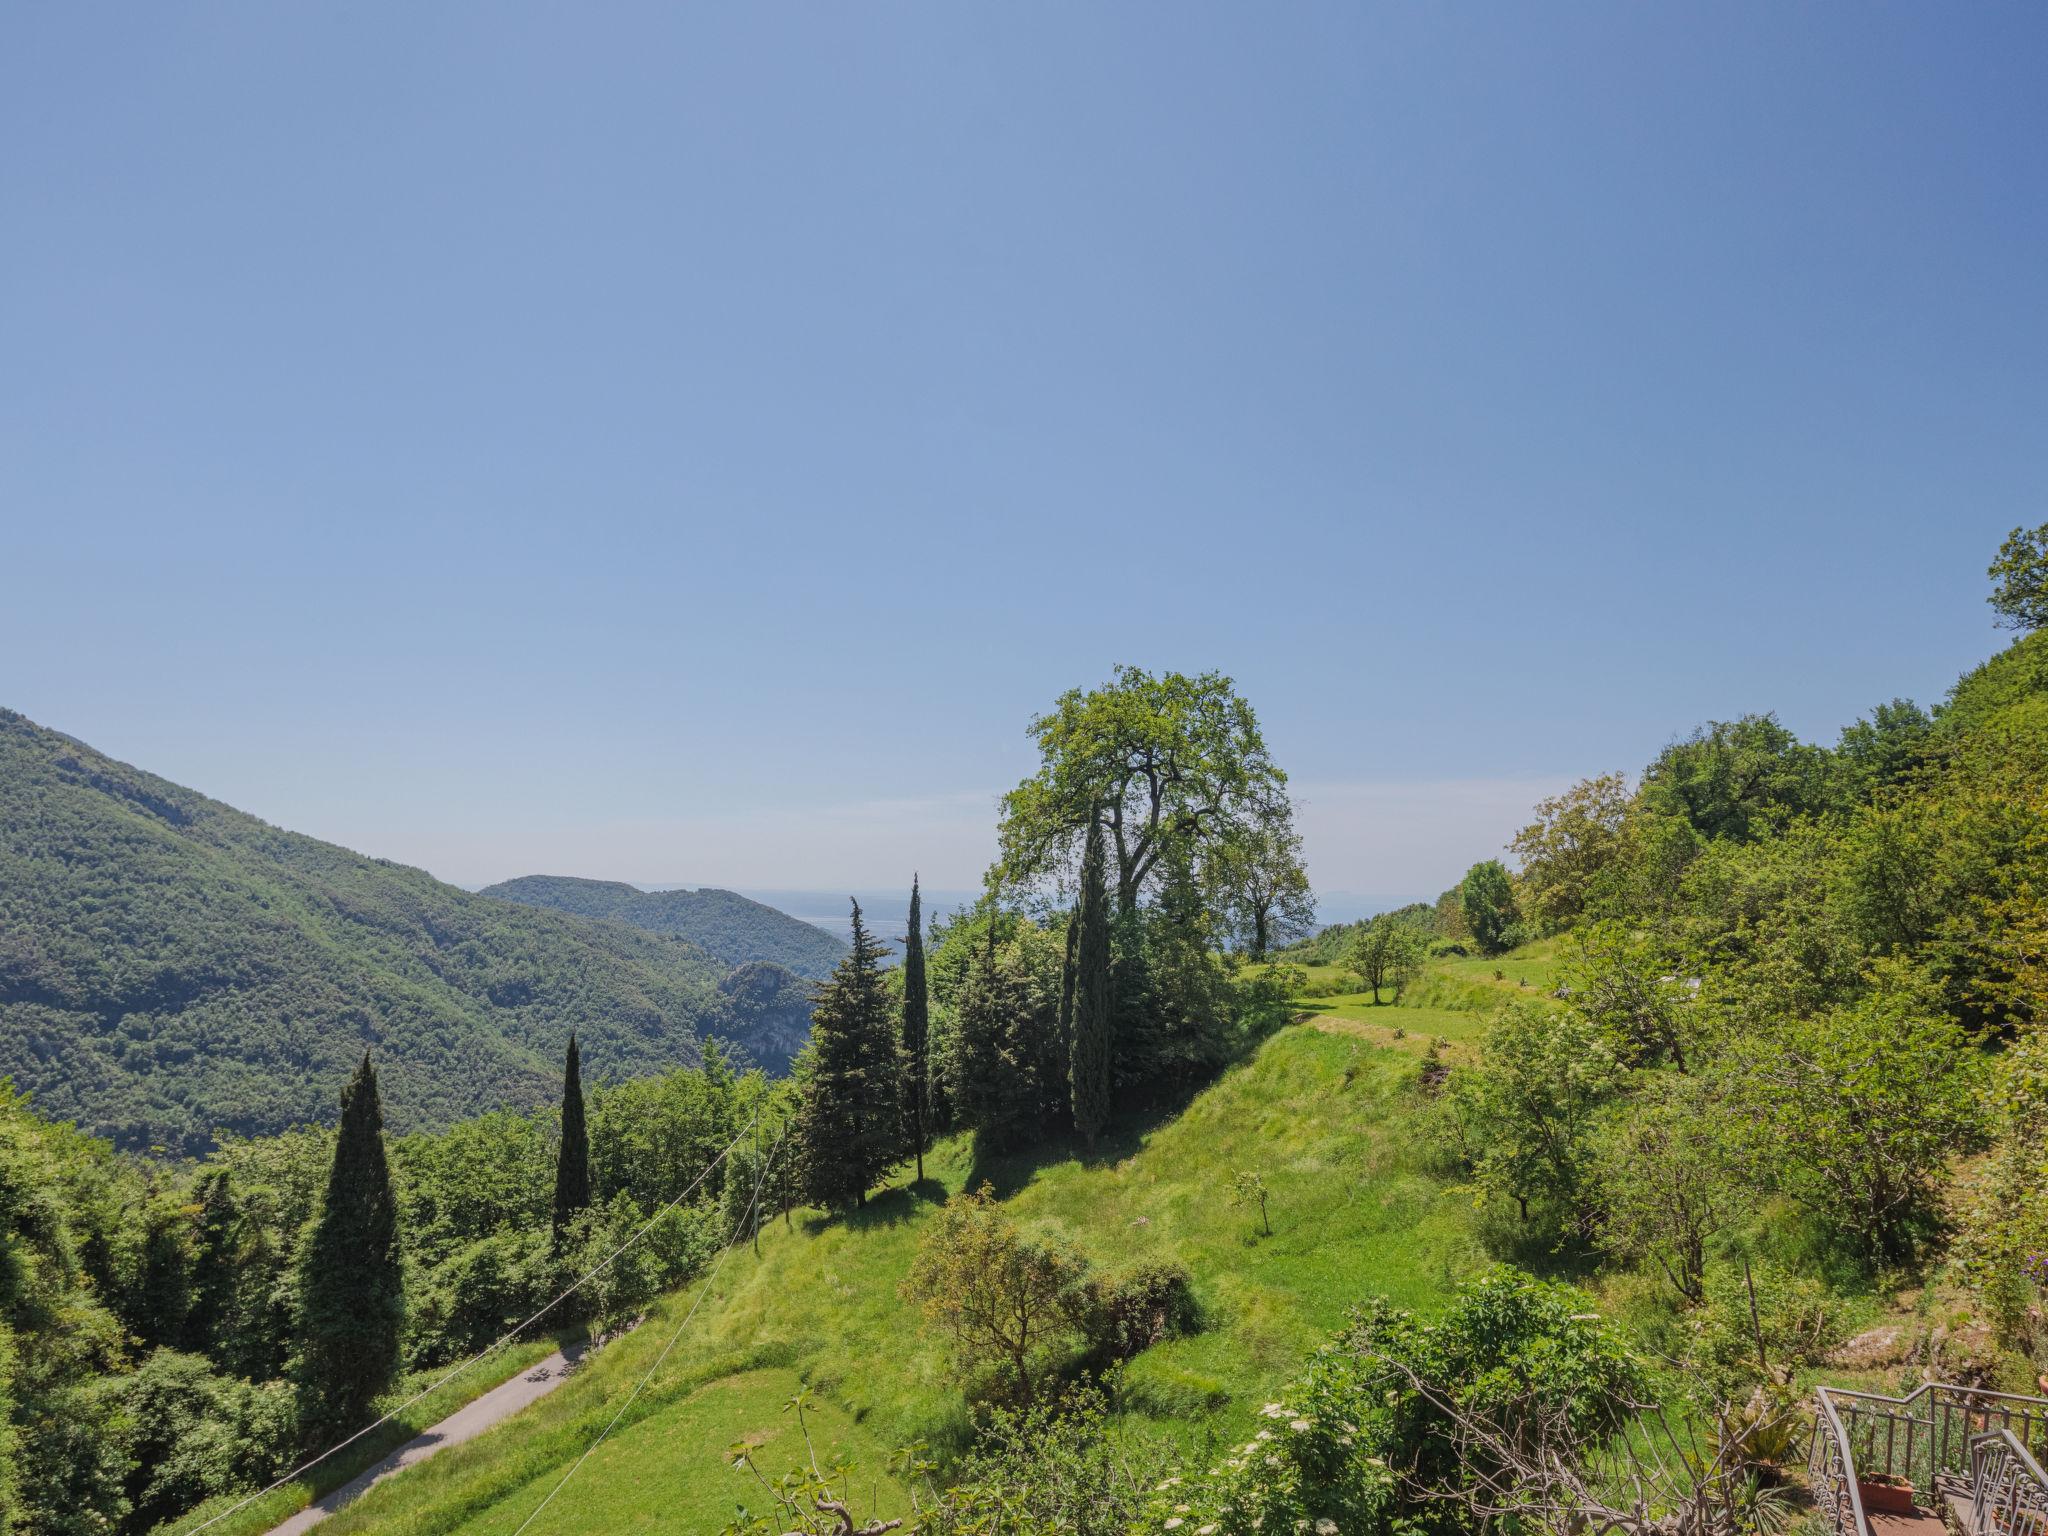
(1170, 767)
(1124, 1314)
(1263, 889)
(1488, 898)
(1854, 1112)
(170, 967)
(1388, 952)
(1663, 1183)
(1247, 1187)
(2021, 573)
(1093, 1047)
(1007, 1069)
(351, 1295)
(1524, 1119)
(1757, 1326)
(572, 1160)
(1566, 852)
(728, 927)
(919, 1121)
(191, 1434)
(1012, 1308)
(1737, 779)
(1062, 1468)
(849, 1128)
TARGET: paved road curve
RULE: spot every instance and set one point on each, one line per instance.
(466, 1423)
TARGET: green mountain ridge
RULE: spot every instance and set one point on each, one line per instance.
(724, 924)
(171, 967)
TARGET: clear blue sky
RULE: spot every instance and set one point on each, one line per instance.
(685, 443)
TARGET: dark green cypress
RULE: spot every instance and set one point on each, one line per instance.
(917, 1066)
(218, 1254)
(1091, 1058)
(572, 1162)
(351, 1292)
(850, 1126)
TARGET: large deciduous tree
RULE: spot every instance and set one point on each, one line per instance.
(1570, 844)
(2021, 571)
(1093, 1049)
(1155, 762)
(352, 1298)
(1262, 888)
(1388, 952)
(850, 1123)
(1488, 897)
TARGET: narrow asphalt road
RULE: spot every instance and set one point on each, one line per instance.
(466, 1423)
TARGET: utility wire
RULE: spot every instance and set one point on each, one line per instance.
(732, 1241)
(489, 1349)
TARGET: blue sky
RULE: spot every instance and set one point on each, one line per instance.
(685, 444)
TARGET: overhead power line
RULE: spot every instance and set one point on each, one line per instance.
(731, 1242)
(489, 1349)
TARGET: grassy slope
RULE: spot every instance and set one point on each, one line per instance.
(1325, 1118)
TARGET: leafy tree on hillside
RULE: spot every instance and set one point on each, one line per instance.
(1007, 1071)
(1663, 1183)
(1157, 763)
(1856, 1113)
(1388, 952)
(2021, 571)
(572, 1162)
(1570, 844)
(1488, 897)
(1737, 779)
(1011, 1306)
(1263, 888)
(1526, 1115)
(1880, 751)
(850, 1125)
(1094, 1043)
(917, 1055)
(352, 1298)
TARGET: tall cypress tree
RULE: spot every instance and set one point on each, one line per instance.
(1092, 1053)
(917, 1066)
(351, 1294)
(850, 1125)
(572, 1162)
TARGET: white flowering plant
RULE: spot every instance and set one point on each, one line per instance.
(1314, 1467)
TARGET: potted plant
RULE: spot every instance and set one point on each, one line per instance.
(1886, 1493)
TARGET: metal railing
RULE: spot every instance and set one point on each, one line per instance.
(2008, 1490)
(1941, 1439)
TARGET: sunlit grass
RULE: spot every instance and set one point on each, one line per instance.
(1325, 1118)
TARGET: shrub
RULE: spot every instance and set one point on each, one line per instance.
(1124, 1315)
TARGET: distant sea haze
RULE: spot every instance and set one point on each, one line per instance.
(885, 912)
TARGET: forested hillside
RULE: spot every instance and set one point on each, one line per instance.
(170, 967)
(726, 926)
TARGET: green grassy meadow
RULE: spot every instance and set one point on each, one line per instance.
(1326, 1117)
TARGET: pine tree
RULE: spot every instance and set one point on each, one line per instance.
(850, 1126)
(352, 1298)
(572, 1162)
(917, 1066)
(1093, 1048)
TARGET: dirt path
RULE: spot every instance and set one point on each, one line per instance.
(466, 1423)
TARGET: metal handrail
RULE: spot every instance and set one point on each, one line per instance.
(1829, 1423)
(1928, 1416)
(2006, 1446)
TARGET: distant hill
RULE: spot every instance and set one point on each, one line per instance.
(170, 966)
(723, 924)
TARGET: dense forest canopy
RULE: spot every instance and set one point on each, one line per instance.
(726, 926)
(171, 967)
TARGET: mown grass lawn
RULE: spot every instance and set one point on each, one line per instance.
(1326, 1119)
